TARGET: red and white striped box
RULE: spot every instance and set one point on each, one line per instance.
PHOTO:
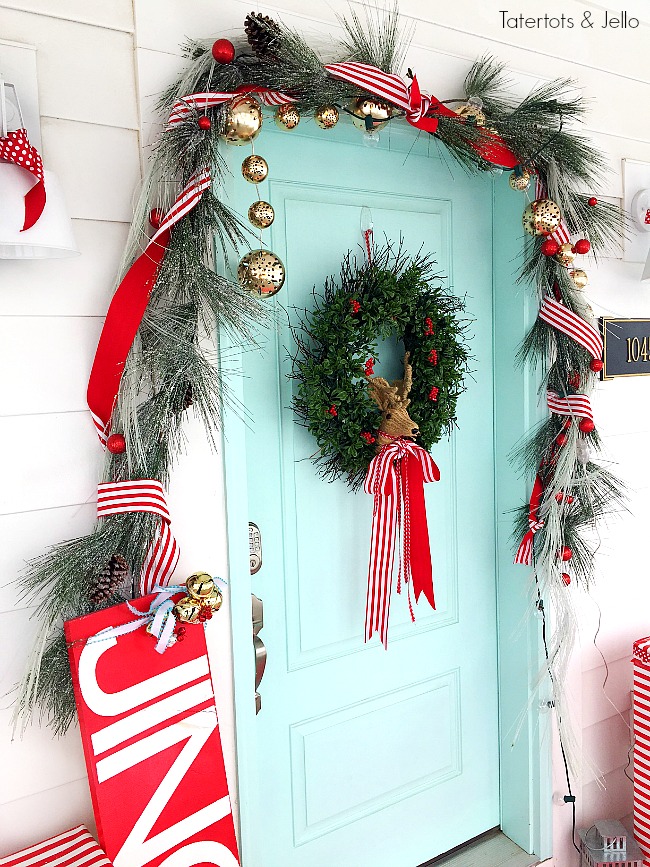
(641, 662)
(74, 848)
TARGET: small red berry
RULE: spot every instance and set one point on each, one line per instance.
(566, 579)
(561, 439)
(562, 498)
(223, 51)
(596, 365)
(592, 202)
(582, 247)
(116, 444)
(204, 122)
(565, 554)
(586, 425)
(549, 247)
(155, 218)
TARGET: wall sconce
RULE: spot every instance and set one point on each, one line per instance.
(641, 218)
(50, 236)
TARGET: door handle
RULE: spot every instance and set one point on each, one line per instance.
(258, 647)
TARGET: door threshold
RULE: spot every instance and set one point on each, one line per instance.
(491, 849)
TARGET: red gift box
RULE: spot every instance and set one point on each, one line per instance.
(151, 741)
(74, 848)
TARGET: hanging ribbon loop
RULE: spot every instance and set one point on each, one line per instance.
(525, 551)
(160, 615)
(17, 149)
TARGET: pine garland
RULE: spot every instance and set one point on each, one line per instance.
(169, 366)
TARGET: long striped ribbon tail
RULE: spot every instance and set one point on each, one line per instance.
(524, 553)
(74, 848)
(128, 306)
(577, 405)
(144, 495)
(574, 326)
(187, 106)
(641, 709)
(16, 148)
(561, 234)
(422, 111)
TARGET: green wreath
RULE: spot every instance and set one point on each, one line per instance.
(393, 295)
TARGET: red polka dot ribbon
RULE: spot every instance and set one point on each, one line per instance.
(16, 149)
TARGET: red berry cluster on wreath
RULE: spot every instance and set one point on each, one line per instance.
(433, 394)
(369, 367)
(355, 305)
(428, 322)
(332, 411)
(368, 437)
(433, 356)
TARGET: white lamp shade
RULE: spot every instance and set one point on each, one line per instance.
(51, 236)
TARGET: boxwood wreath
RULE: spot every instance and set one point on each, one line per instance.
(168, 366)
(391, 295)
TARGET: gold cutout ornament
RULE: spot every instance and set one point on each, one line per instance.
(243, 120)
(519, 182)
(255, 169)
(565, 255)
(471, 111)
(369, 107)
(579, 277)
(327, 116)
(541, 217)
(261, 214)
(287, 117)
(261, 272)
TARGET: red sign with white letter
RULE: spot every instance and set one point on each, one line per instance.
(152, 745)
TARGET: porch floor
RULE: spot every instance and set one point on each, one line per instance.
(493, 849)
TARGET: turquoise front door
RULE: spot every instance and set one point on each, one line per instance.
(364, 757)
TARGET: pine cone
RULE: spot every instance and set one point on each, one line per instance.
(110, 579)
(188, 400)
(262, 33)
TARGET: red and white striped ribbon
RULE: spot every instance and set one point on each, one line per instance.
(524, 555)
(573, 404)
(572, 325)
(128, 305)
(74, 848)
(641, 707)
(187, 105)
(383, 481)
(144, 495)
(561, 234)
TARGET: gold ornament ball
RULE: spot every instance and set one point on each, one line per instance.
(287, 117)
(261, 272)
(187, 610)
(243, 120)
(565, 255)
(200, 585)
(367, 106)
(579, 277)
(471, 112)
(519, 182)
(546, 216)
(255, 169)
(261, 214)
(327, 116)
(528, 219)
(215, 601)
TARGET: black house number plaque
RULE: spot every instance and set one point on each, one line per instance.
(626, 347)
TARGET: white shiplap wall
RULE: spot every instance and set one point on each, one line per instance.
(51, 315)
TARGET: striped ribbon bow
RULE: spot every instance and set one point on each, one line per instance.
(572, 325)
(144, 495)
(16, 148)
(187, 105)
(418, 106)
(128, 306)
(524, 553)
(573, 404)
(396, 479)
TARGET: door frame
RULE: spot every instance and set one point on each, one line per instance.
(524, 731)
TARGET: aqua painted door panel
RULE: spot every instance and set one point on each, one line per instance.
(366, 756)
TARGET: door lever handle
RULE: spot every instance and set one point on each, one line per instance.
(258, 647)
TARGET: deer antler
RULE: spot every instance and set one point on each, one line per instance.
(404, 385)
(383, 393)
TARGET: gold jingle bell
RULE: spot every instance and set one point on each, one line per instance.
(520, 181)
(200, 585)
(579, 277)
(261, 272)
(471, 111)
(287, 116)
(255, 169)
(187, 610)
(243, 120)
(327, 116)
(215, 601)
(565, 255)
(261, 214)
(369, 107)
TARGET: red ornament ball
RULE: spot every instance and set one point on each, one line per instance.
(592, 202)
(566, 553)
(223, 51)
(204, 122)
(116, 444)
(562, 498)
(566, 579)
(586, 425)
(582, 247)
(596, 365)
(155, 218)
(561, 439)
(549, 247)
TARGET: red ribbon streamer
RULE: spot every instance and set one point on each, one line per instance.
(127, 309)
(525, 551)
(419, 107)
(144, 495)
(396, 479)
(16, 148)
